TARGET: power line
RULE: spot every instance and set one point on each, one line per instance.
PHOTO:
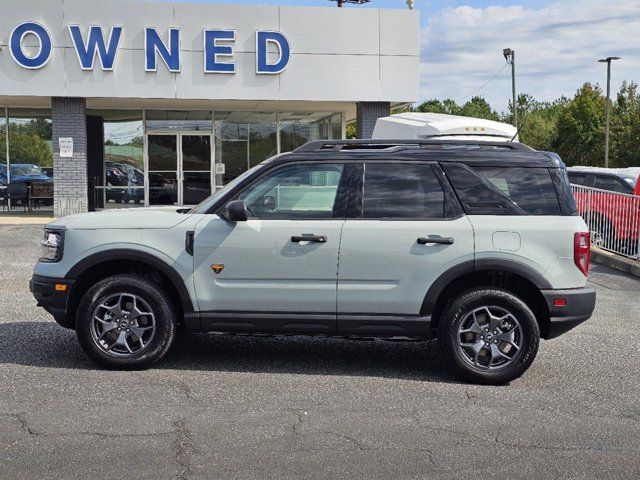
(483, 85)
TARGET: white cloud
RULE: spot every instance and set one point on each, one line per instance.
(556, 48)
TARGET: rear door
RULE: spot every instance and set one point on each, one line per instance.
(404, 231)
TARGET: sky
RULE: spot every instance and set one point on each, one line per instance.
(557, 44)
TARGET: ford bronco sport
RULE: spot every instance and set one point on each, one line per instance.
(477, 244)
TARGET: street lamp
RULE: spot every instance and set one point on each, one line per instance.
(608, 61)
(510, 57)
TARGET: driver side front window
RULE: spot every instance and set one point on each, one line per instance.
(300, 191)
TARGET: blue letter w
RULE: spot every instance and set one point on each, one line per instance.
(87, 50)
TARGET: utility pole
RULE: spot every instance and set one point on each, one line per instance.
(510, 57)
(608, 61)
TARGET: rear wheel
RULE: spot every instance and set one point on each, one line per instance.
(490, 335)
(126, 322)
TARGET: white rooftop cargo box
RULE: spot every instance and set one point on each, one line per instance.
(438, 126)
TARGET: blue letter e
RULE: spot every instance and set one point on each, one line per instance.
(213, 50)
(263, 38)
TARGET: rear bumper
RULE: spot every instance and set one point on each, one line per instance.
(580, 303)
(53, 300)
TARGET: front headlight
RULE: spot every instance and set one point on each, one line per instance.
(52, 245)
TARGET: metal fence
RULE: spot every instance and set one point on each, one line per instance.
(613, 219)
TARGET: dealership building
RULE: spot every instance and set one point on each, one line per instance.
(128, 103)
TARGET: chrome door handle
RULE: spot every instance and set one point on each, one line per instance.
(308, 237)
(438, 240)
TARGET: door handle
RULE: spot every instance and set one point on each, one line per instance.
(438, 240)
(309, 237)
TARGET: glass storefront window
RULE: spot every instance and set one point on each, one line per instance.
(3, 142)
(178, 120)
(243, 139)
(296, 129)
(118, 179)
(30, 162)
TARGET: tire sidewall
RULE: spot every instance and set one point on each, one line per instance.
(151, 293)
(467, 302)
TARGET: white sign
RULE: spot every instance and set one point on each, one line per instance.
(66, 147)
(220, 170)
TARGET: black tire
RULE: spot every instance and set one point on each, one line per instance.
(159, 304)
(460, 308)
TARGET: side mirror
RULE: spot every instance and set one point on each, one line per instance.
(269, 203)
(235, 211)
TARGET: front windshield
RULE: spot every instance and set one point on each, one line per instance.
(203, 206)
(631, 181)
(26, 170)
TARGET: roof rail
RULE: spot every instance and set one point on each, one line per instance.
(338, 145)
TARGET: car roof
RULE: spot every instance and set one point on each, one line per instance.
(461, 151)
(617, 172)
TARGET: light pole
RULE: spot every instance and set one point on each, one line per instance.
(608, 61)
(510, 57)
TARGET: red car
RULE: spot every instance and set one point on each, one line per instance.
(614, 218)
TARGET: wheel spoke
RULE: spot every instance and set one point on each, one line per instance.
(474, 327)
(497, 354)
(121, 341)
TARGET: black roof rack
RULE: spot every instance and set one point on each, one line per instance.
(394, 145)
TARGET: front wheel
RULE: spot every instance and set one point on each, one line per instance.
(126, 322)
(490, 335)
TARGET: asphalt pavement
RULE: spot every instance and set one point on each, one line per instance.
(295, 407)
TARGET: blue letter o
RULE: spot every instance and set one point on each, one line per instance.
(15, 45)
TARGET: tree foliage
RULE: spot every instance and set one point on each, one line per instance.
(573, 127)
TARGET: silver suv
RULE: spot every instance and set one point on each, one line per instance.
(475, 243)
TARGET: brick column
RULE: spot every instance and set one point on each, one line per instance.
(366, 115)
(69, 174)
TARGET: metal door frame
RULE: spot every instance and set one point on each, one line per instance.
(179, 160)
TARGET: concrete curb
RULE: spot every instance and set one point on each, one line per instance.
(616, 262)
(24, 220)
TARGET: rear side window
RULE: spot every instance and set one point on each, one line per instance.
(504, 190)
(612, 184)
(531, 189)
(401, 191)
(577, 178)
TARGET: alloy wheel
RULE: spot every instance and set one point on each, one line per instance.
(123, 324)
(489, 338)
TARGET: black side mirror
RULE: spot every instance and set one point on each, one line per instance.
(235, 211)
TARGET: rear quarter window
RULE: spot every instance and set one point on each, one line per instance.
(530, 188)
(504, 190)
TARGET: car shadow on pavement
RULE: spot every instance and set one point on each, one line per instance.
(45, 344)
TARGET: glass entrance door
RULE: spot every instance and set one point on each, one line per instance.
(195, 182)
(162, 151)
(179, 168)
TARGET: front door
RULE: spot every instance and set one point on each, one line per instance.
(277, 271)
(403, 236)
(179, 168)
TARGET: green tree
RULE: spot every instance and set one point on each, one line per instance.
(625, 127)
(478, 107)
(538, 121)
(580, 128)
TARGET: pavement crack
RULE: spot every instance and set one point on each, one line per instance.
(353, 441)
(185, 447)
(23, 423)
(299, 421)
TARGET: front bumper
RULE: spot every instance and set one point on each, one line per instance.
(50, 295)
(580, 303)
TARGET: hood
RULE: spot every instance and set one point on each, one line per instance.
(132, 218)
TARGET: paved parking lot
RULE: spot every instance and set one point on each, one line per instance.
(249, 407)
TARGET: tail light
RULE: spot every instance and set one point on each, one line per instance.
(582, 251)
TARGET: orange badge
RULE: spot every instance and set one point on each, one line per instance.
(217, 267)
